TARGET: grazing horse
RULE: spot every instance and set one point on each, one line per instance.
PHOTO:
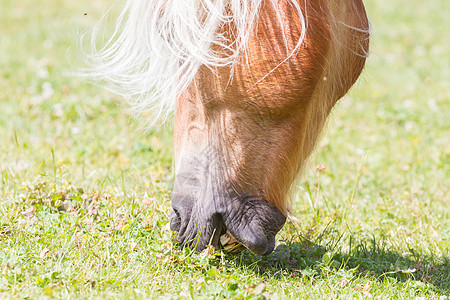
(251, 83)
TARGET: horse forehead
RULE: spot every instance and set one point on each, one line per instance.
(263, 79)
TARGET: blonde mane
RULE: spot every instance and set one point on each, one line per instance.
(158, 46)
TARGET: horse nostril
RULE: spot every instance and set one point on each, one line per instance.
(175, 221)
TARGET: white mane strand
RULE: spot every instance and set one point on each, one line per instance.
(158, 46)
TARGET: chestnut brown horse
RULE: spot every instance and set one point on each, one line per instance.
(252, 83)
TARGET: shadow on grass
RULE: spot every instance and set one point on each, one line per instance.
(306, 258)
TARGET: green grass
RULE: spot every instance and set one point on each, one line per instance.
(85, 195)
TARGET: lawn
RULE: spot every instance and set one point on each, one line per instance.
(85, 192)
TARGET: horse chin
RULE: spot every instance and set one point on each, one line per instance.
(256, 225)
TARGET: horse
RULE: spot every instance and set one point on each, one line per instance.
(250, 84)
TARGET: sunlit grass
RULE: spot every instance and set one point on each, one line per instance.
(85, 195)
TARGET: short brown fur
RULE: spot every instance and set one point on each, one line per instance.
(267, 119)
